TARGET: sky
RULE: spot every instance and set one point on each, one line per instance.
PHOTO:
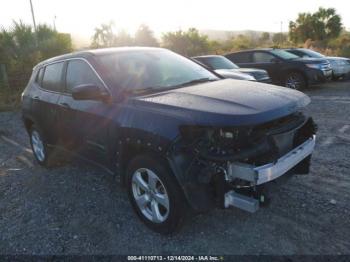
(80, 17)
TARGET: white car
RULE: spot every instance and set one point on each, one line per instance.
(340, 65)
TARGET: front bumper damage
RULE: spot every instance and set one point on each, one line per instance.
(258, 175)
(226, 167)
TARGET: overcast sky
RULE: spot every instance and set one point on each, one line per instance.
(80, 17)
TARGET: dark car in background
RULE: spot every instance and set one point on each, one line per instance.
(227, 69)
(177, 136)
(340, 65)
(283, 67)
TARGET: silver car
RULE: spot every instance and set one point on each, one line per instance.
(340, 65)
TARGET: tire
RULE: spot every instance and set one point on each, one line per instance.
(39, 147)
(162, 205)
(295, 81)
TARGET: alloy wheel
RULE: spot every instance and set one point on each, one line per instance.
(150, 195)
(293, 82)
(38, 146)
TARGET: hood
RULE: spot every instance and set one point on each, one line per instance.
(337, 58)
(233, 74)
(224, 102)
(310, 60)
(250, 70)
(258, 74)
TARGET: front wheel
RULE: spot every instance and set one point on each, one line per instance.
(39, 147)
(155, 194)
(295, 80)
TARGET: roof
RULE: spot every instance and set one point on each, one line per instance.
(97, 52)
(257, 49)
(206, 56)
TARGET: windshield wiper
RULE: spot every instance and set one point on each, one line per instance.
(164, 88)
(145, 89)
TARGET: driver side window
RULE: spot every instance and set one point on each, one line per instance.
(262, 57)
(80, 73)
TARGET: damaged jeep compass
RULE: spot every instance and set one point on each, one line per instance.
(177, 136)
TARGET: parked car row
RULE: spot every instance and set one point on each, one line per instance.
(226, 68)
(294, 68)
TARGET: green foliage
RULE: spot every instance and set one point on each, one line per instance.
(278, 39)
(123, 39)
(188, 43)
(21, 49)
(103, 36)
(144, 37)
(243, 42)
(341, 45)
(265, 36)
(323, 25)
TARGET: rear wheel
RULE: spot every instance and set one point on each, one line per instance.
(295, 80)
(155, 194)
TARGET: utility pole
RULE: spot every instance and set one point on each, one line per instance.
(54, 22)
(281, 33)
(33, 16)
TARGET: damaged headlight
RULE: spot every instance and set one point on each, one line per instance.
(226, 139)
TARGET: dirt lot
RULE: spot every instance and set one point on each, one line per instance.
(78, 209)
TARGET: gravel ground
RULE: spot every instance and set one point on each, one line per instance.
(78, 209)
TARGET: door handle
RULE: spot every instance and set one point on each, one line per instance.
(36, 98)
(65, 105)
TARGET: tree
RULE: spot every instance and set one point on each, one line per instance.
(123, 39)
(341, 45)
(21, 49)
(242, 42)
(279, 38)
(265, 37)
(144, 37)
(52, 43)
(188, 43)
(323, 25)
(103, 36)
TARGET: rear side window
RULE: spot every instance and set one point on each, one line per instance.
(39, 76)
(262, 57)
(240, 57)
(80, 73)
(52, 77)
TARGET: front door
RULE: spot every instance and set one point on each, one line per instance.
(84, 124)
(268, 62)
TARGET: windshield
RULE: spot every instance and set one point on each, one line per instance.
(151, 69)
(311, 53)
(284, 54)
(217, 62)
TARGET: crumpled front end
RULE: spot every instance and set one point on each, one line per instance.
(230, 166)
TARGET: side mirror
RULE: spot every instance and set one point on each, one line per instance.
(88, 92)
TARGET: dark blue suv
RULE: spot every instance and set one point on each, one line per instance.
(176, 135)
(285, 68)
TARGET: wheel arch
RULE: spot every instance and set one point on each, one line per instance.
(296, 70)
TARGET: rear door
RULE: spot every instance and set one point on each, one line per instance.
(49, 85)
(83, 123)
(242, 59)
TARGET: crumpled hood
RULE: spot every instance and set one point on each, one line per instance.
(224, 102)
